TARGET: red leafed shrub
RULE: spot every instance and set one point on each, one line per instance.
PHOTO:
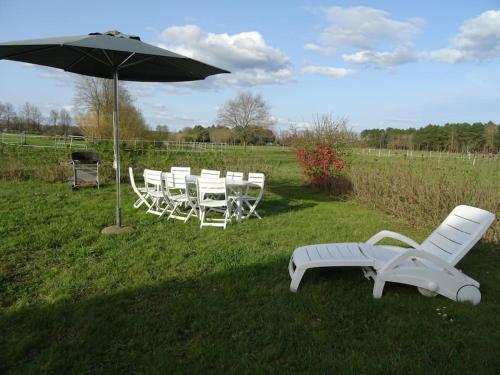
(323, 151)
(318, 164)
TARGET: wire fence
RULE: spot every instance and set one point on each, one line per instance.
(85, 143)
(419, 154)
(80, 142)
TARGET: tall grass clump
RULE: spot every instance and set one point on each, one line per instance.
(324, 152)
(18, 163)
(423, 191)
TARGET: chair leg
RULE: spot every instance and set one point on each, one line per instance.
(154, 204)
(173, 210)
(378, 288)
(142, 200)
(190, 214)
(297, 276)
(202, 216)
(138, 203)
(227, 216)
(252, 210)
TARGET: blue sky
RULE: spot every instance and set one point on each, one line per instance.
(378, 63)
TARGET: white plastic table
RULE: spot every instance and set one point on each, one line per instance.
(238, 187)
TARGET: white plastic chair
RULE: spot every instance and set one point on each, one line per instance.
(153, 181)
(255, 180)
(235, 175)
(142, 192)
(212, 196)
(209, 173)
(181, 170)
(234, 193)
(430, 266)
(176, 192)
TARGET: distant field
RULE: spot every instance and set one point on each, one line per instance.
(41, 141)
(418, 188)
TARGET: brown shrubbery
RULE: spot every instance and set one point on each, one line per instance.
(19, 163)
(422, 192)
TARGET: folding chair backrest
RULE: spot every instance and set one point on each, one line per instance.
(181, 170)
(208, 173)
(212, 186)
(132, 180)
(234, 175)
(191, 190)
(169, 180)
(175, 180)
(153, 178)
(257, 179)
(458, 233)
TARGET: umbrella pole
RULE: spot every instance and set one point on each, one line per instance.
(117, 228)
(116, 144)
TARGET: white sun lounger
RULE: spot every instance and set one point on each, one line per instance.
(430, 266)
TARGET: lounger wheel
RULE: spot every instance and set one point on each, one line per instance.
(427, 292)
(470, 294)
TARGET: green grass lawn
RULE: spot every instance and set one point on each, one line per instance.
(170, 297)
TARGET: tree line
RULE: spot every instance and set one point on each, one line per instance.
(243, 120)
(452, 137)
(28, 118)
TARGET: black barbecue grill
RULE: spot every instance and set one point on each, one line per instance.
(85, 168)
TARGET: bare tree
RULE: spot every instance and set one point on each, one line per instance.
(53, 117)
(162, 132)
(7, 115)
(94, 98)
(94, 95)
(65, 120)
(31, 116)
(244, 114)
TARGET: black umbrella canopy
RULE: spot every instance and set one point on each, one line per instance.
(111, 55)
(103, 54)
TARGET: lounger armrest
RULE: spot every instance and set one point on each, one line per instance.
(396, 236)
(418, 254)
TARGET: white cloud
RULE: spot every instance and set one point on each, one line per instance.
(159, 113)
(477, 40)
(327, 71)
(447, 55)
(247, 55)
(312, 47)
(366, 28)
(387, 59)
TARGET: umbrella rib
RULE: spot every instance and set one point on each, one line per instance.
(90, 55)
(18, 54)
(136, 62)
(77, 61)
(126, 59)
(107, 56)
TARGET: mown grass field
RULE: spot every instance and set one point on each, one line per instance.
(171, 298)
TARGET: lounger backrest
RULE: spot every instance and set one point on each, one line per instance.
(458, 233)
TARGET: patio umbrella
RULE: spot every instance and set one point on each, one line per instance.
(111, 55)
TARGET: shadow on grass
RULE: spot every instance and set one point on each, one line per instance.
(245, 320)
